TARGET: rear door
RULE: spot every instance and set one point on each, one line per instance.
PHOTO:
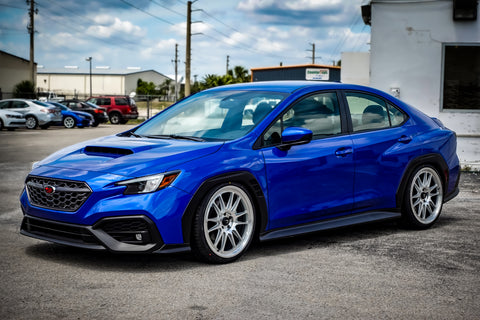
(377, 135)
(312, 181)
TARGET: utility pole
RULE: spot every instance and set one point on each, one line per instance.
(31, 31)
(228, 60)
(176, 71)
(187, 54)
(313, 52)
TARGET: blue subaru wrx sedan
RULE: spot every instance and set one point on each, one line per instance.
(232, 163)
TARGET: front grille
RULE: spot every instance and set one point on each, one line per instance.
(59, 231)
(65, 196)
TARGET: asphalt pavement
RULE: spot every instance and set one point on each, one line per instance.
(376, 271)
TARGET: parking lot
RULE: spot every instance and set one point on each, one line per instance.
(376, 271)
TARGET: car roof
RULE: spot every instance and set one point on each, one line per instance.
(290, 86)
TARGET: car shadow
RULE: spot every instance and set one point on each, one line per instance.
(165, 262)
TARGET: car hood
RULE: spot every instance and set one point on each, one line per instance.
(129, 157)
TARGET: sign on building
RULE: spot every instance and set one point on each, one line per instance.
(317, 74)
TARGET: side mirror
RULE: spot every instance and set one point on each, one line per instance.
(295, 136)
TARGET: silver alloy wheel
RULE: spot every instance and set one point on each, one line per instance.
(69, 122)
(31, 122)
(426, 195)
(228, 221)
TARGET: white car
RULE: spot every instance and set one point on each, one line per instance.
(36, 113)
(11, 120)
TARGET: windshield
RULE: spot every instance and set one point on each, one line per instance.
(213, 116)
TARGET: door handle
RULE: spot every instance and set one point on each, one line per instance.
(343, 152)
(404, 139)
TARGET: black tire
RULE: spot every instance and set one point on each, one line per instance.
(31, 122)
(423, 198)
(123, 121)
(69, 122)
(1, 124)
(95, 124)
(45, 126)
(224, 224)
(115, 117)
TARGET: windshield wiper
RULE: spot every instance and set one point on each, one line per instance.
(175, 136)
(130, 134)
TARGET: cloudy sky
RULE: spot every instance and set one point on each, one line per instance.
(143, 33)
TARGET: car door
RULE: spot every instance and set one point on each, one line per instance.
(377, 128)
(20, 106)
(315, 180)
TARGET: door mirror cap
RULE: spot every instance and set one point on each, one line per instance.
(295, 136)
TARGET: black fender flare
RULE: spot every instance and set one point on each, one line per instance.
(433, 159)
(246, 179)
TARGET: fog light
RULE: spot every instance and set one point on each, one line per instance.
(138, 236)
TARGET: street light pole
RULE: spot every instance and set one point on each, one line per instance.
(89, 59)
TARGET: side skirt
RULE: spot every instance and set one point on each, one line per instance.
(330, 224)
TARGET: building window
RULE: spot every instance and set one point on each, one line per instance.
(461, 77)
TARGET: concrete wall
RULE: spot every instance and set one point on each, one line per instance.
(148, 76)
(12, 71)
(355, 68)
(407, 41)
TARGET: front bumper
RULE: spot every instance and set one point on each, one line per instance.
(125, 234)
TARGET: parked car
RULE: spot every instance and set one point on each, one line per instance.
(99, 114)
(36, 113)
(120, 109)
(11, 120)
(73, 118)
(317, 156)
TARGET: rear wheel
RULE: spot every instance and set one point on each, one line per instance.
(423, 198)
(123, 121)
(224, 224)
(115, 118)
(1, 124)
(95, 124)
(69, 122)
(31, 122)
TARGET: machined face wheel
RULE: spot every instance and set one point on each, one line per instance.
(228, 221)
(69, 122)
(224, 224)
(426, 195)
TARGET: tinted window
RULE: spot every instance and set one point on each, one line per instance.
(18, 104)
(461, 83)
(104, 101)
(368, 112)
(121, 101)
(4, 104)
(319, 113)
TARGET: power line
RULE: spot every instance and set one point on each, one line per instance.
(169, 9)
(146, 12)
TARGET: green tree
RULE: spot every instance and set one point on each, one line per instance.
(24, 89)
(145, 88)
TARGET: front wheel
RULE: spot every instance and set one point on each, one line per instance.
(423, 198)
(69, 122)
(224, 224)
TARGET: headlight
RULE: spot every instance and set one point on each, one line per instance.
(149, 183)
(35, 165)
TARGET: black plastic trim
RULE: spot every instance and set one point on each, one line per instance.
(340, 222)
(433, 159)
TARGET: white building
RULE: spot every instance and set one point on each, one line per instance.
(71, 81)
(428, 52)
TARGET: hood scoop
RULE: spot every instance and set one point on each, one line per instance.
(107, 151)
